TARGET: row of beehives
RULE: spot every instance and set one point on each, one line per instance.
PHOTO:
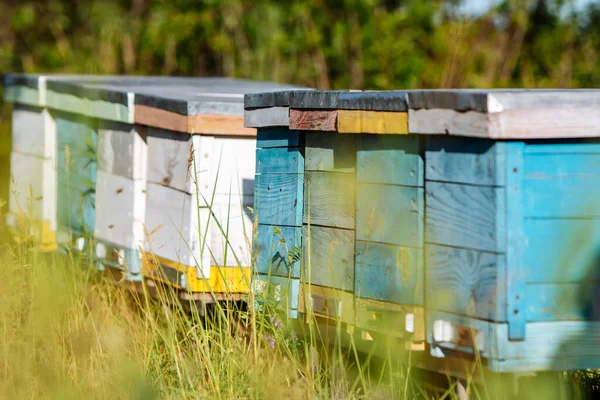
(122, 167)
(422, 237)
(467, 220)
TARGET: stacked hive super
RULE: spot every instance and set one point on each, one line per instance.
(467, 220)
(351, 199)
(33, 197)
(512, 229)
(200, 186)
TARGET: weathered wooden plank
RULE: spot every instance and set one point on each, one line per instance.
(459, 160)
(329, 152)
(509, 124)
(561, 185)
(465, 282)
(389, 214)
(220, 125)
(315, 99)
(466, 216)
(498, 100)
(390, 160)
(328, 257)
(278, 199)
(326, 302)
(278, 250)
(567, 146)
(550, 346)
(33, 131)
(280, 293)
(168, 221)
(267, 117)
(392, 319)
(122, 149)
(120, 210)
(278, 137)
(313, 120)
(279, 97)
(169, 159)
(561, 250)
(162, 119)
(562, 302)
(329, 199)
(373, 101)
(280, 160)
(375, 122)
(389, 273)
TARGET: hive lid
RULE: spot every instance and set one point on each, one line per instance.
(498, 100)
(373, 101)
(277, 98)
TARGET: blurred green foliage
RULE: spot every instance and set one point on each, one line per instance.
(373, 44)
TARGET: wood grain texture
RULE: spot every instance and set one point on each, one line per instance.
(33, 132)
(329, 199)
(326, 302)
(328, 257)
(267, 117)
(220, 125)
(277, 293)
(314, 120)
(120, 210)
(389, 273)
(466, 216)
(390, 160)
(389, 318)
(278, 137)
(461, 160)
(330, 152)
(280, 160)
(123, 150)
(213, 124)
(278, 199)
(375, 122)
(158, 118)
(509, 124)
(376, 100)
(555, 346)
(390, 214)
(315, 99)
(278, 250)
(561, 185)
(465, 282)
(169, 156)
(498, 100)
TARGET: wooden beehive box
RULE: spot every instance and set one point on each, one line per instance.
(278, 201)
(200, 184)
(512, 207)
(33, 196)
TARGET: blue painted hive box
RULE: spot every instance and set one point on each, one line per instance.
(512, 230)
(339, 205)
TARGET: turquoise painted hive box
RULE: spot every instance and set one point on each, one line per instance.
(511, 226)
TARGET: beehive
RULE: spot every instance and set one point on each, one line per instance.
(278, 201)
(33, 196)
(200, 184)
(512, 225)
